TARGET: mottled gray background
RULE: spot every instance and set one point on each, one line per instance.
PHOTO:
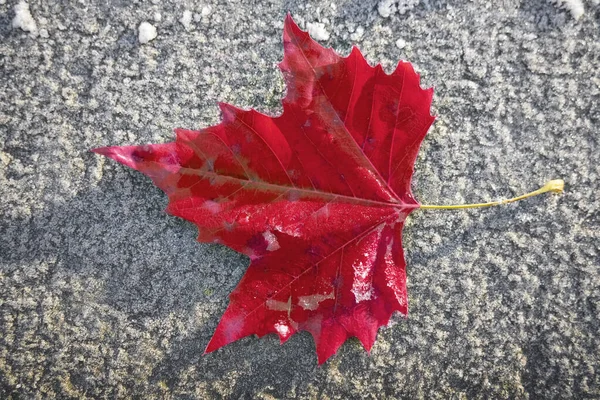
(102, 295)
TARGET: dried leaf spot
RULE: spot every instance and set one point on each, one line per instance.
(312, 301)
(362, 288)
(212, 206)
(362, 285)
(277, 305)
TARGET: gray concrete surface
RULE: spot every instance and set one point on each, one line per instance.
(102, 295)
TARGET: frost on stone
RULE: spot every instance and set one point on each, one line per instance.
(358, 33)
(406, 5)
(147, 32)
(206, 11)
(23, 18)
(317, 31)
(186, 20)
(575, 7)
(386, 8)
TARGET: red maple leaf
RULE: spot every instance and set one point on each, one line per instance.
(316, 197)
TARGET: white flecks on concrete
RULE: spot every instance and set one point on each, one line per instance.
(23, 18)
(406, 5)
(358, 33)
(206, 11)
(317, 31)
(147, 32)
(157, 17)
(575, 7)
(386, 8)
(400, 43)
(186, 19)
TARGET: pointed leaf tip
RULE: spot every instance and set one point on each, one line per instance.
(101, 150)
(121, 154)
(117, 153)
(289, 21)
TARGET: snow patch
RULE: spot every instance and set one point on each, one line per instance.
(575, 7)
(147, 32)
(23, 18)
(312, 301)
(317, 31)
(272, 243)
(186, 19)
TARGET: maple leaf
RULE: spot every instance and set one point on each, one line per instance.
(316, 198)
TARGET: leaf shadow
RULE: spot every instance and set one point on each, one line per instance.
(119, 235)
(149, 267)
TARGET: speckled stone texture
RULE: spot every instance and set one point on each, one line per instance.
(103, 295)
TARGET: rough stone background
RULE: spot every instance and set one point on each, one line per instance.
(102, 295)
